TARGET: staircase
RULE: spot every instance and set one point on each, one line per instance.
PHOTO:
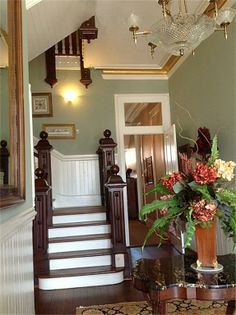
(79, 250)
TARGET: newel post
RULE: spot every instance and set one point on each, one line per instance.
(40, 224)
(4, 161)
(106, 156)
(44, 149)
(115, 186)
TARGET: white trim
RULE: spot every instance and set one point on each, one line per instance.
(155, 77)
(121, 130)
(62, 201)
(71, 157)
(9, 227)
(74, 157)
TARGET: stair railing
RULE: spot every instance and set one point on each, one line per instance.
(4, 161)
(106, 157)
(40, 224)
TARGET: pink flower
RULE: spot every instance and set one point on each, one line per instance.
(203, 174)
(203, 211)
(164, 210)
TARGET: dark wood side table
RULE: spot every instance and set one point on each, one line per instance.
(172, 278)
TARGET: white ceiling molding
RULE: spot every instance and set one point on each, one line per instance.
(134, 77)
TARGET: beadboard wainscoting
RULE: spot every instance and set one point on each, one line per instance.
(75, 180)
(16, 275)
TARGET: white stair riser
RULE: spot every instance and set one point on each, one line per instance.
(80, 262)
(79, 245)
(77, 218)
(77, 231)
(80, 281)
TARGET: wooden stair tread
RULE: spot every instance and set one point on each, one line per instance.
(79, 238)
(78, 210)
(75, 272)
(79, 224)
(80, 253)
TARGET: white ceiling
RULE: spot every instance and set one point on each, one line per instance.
(49, 21)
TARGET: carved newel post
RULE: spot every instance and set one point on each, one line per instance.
(106, 156)
(115, 186)
(44, 149)
(40, 224)
(4, 161)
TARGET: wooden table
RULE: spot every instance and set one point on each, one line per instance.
(172, 278)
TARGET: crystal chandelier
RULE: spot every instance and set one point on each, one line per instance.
(181, 33)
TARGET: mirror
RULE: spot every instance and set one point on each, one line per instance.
(11, 101)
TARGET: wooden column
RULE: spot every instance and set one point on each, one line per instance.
(4, 161)
(40, 224)
(115, 186)
(106, 155)
(44, 162)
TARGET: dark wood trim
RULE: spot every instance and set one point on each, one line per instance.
(40, 224)
(16, 108)
(106, 157)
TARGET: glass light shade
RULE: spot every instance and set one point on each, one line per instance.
(133, 20)
(225, 16)
(182, 33)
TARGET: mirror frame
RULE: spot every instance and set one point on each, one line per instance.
(15, 192)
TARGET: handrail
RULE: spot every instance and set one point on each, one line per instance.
(4, 161)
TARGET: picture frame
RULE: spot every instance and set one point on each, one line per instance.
(60, 131)
(149, 170)
(42, 105)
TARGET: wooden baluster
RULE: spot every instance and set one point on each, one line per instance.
(4, 161)
(106, 155)
(44, 162)
(115, 186)
(40, 224)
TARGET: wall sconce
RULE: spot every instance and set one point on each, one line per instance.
(70, 96)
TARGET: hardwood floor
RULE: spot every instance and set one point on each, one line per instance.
(64, 302)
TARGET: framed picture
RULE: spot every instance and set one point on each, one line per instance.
(149, 171)
(60, 131)
(42, 104)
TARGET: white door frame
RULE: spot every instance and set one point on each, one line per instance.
(121, 130)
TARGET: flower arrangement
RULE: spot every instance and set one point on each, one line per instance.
(197, 195)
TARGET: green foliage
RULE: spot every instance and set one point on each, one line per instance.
(157, 205)
(160, 225)
(227, 196)
(178, 187)
(190, 228)
(214, 152)
(159, 189)
(203, 189)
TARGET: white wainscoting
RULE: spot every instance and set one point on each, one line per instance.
(16, 272)
(75, 180)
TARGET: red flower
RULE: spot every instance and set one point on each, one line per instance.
(203, 211)
(172, 180)
(203, 174)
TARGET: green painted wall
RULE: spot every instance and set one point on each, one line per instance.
(92, 112)
(8, 213)
(4, 120)
(205, 85)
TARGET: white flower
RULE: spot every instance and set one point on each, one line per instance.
(224, 169)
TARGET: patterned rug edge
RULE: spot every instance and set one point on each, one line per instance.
(177, 307)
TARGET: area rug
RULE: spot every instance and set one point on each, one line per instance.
(177, 307)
